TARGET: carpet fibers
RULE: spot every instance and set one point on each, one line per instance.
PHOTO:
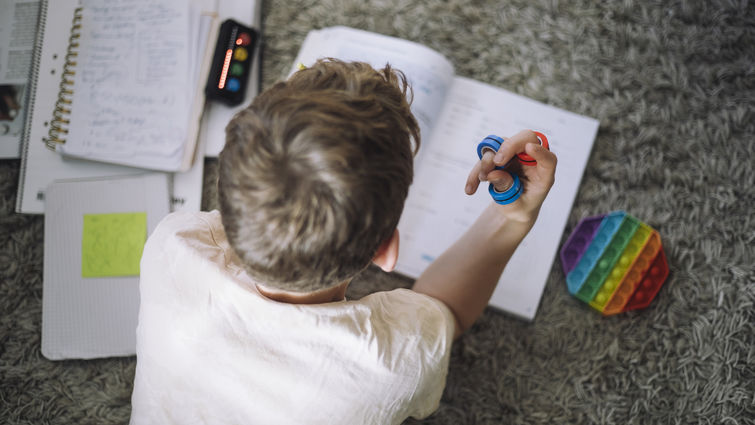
(673, 85)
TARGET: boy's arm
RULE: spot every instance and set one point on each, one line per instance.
(465, 276)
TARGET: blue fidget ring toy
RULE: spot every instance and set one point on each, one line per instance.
(510, 195)
(491, 142)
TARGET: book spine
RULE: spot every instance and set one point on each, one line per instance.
(61, 114)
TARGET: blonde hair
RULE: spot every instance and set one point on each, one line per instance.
(315, 172)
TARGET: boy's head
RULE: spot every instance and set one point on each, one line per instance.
(314, 174)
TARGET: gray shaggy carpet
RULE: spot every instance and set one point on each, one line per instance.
(673, 85)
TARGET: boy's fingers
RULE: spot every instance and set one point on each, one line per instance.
(501, 180)
(505, 152)
(473, 179)
(546, 160)
(486, 165)
(514, 145)
(524, 141)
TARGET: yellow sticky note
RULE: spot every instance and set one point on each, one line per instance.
(112, 244)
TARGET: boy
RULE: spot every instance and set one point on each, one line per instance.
(243, 318)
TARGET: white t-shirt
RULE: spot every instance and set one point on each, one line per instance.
(212, 350)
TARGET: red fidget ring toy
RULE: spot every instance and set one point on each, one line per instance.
(525, 159)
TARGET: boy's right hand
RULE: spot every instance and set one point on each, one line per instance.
(536, 180)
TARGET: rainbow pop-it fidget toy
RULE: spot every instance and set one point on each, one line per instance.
(614, 262)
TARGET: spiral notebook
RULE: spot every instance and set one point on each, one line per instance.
(128, 90)
(39, 165)
(95, 231)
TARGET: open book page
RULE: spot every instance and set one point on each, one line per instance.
(132, 91)
(429, 73)
(438, 211)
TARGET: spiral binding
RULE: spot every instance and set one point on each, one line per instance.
(62, 111)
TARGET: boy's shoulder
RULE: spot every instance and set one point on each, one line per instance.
(187, 221)
(182, 229)
(403, 310)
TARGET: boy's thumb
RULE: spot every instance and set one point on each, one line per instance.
(544, 157)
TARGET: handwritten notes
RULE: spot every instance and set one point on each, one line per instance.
(132, 93)
(112, 244)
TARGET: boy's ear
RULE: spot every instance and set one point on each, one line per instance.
(387, 254)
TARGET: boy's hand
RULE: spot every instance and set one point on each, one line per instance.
(536, 180)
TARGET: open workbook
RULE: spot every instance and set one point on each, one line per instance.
(455, 113)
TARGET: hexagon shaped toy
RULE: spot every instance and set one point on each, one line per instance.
(614, 262)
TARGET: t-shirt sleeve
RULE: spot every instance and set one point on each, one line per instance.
(422, 328)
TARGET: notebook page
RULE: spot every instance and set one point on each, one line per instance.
(40, 165)
(132, 90)
(437, 200)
